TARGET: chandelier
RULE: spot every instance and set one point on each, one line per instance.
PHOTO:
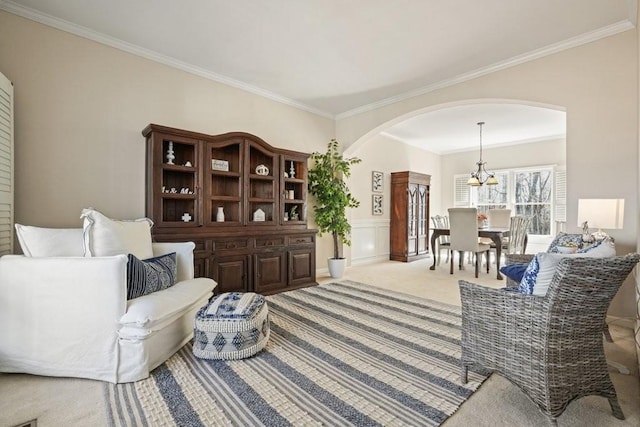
(481, 176)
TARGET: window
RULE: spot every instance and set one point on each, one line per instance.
(533, 199)
(493, 196)
(526, 191)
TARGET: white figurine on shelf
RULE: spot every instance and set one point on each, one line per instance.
(258, 215)
(170, 155)
(186, 217)
(292, 170)
(188, 164)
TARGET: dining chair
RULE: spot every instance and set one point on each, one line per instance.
(515, 243)
(499, 217)
(463, 236)
(441, 221)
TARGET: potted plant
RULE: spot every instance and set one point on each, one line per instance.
(332, 197)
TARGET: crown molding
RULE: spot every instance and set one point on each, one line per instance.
(87, 33)
(592, 36)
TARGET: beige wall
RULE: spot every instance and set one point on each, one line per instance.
(388, 155)
(597, 85)
(80, 108)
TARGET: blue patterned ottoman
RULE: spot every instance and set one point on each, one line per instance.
(234, 325)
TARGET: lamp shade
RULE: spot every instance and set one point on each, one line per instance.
(601, 213)
(473, 181)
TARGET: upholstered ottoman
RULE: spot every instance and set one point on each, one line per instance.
(233, 325)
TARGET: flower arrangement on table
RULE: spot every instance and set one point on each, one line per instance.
(482, 220)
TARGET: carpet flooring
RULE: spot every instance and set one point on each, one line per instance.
(339, 354)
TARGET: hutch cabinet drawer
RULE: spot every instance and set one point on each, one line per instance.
(300, 240)
(269, 242)
(221, 245)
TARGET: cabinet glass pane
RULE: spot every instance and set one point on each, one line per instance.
(225, 186)
(230, 210)
(178, 210)
(224, 158)
(175, 181)
(176, 153)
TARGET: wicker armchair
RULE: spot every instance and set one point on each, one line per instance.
(548, 346)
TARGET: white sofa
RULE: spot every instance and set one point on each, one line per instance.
(69, 316)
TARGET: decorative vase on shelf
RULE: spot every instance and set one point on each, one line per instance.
(220, 214)
(170, 155)
(292, 170)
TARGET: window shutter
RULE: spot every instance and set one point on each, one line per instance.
(461, 191)
(6, 166)
(560, 196)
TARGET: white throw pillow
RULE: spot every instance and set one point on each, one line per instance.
(537, 277)
(600, 249)
(105, 237)
(50, 242)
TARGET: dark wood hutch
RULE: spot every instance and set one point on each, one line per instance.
(409, 230)
(263, 244)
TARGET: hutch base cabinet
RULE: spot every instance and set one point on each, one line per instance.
(409, 231)
(240, 200)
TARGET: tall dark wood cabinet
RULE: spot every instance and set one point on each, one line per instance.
(409, 236)
(240, 200)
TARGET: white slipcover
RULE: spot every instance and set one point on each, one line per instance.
(70, 317)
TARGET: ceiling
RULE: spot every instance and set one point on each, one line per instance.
(456, 128)
(337, 57)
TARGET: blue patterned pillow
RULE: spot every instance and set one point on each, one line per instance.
(150, 275)
(565, 239)
(528, 282)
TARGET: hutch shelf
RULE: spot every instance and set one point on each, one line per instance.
(240, 200)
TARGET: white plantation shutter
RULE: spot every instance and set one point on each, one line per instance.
(461, 191)
(6, 166)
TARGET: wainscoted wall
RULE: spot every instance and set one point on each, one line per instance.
(370, 241)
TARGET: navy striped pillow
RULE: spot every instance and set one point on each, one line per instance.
(150, 275)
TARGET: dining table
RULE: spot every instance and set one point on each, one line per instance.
(494, 233)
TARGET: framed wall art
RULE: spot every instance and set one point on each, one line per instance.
(377, 180)
(376, 206)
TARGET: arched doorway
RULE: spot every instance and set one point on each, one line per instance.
(411, 142)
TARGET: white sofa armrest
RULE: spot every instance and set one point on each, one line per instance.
(59, 316)
(184, 257)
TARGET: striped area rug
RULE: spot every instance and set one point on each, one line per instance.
(339, 354)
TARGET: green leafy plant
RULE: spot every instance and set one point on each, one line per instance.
(332, 196)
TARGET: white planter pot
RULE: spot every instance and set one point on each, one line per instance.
(337, 267)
